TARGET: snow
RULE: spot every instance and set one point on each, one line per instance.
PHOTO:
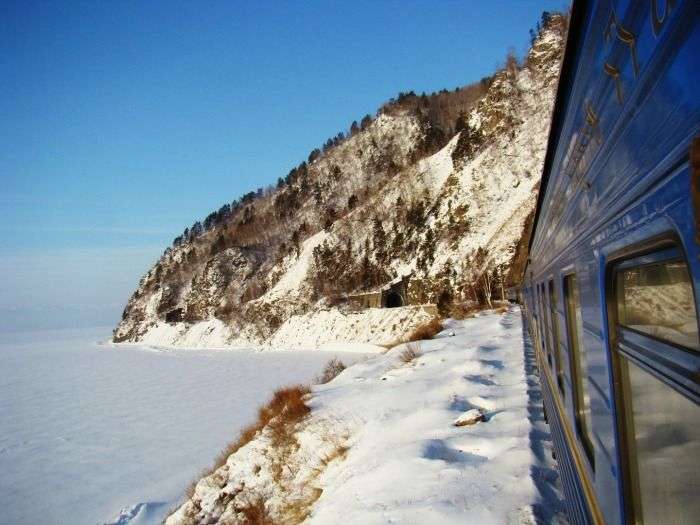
(318, 329)
(377, 326)
(406, 460)
(409, 463)
(205, 334)
(296, 269)
(113, 434)
(435, 169)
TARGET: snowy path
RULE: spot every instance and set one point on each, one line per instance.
(408, 463)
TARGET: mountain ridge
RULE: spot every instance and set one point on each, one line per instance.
(402, 193)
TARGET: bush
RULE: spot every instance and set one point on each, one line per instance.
(334, 367)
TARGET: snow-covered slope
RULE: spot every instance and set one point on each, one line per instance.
(397, 195)
(374, 325)
(454, 435)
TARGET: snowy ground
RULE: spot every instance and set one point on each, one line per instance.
(412, 464)
(86, 430)
(390, 441)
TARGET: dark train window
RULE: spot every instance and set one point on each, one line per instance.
(655, 344)
(554, 336)
(578, 363)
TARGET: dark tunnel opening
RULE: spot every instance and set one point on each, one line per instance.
(393, 300)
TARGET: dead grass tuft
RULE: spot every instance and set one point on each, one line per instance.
(461, 311)
(189, 491)
(334, 367)
(287, 406)
(425, 331)
(297, 510)
(410, 353)
(255, 513)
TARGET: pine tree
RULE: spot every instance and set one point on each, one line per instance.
(461, 122)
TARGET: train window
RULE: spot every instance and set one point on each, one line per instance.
(657, 299)
(663, 441)
(545, 325)
(655, 344)
(578, 362)
(554, 335)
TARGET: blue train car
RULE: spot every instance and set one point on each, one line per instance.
(610, 289)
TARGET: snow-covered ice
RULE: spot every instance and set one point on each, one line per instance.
(87, 430)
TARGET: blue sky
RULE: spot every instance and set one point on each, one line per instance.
(123, 122)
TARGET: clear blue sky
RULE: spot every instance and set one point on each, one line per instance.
(123, 122)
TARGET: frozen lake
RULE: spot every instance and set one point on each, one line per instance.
(89, 429)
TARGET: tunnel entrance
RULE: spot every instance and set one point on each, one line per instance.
(393, 300)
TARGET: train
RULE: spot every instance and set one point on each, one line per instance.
(610, 287)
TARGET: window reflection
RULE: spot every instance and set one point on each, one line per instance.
(657, 299)
(579, 365)
(664, 441)
(555, 336)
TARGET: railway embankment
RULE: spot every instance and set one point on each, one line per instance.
(446, 430)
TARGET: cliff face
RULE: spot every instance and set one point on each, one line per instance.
(406, 191)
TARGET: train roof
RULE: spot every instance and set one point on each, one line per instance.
(566, 78)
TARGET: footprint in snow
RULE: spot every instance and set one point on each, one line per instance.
(437, 449)
(480, 379)
(493, 363)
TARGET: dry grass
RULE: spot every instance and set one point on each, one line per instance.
(287, 406)
(189, 491)
(334, 367)
(279, 419)
(410, 353)
(297, 510)
(255, 513)
(461, 311)
(339, 452)
(285, 410)
(420, 333)
(426, 331)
